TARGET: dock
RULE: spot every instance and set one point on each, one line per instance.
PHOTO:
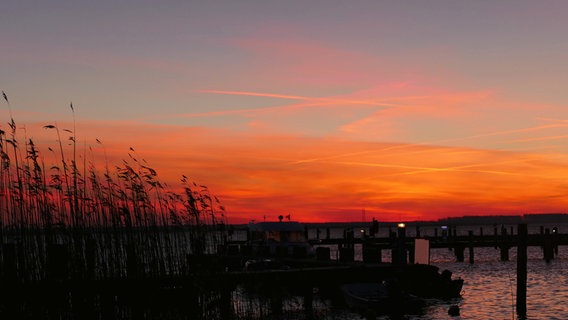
(503, 240)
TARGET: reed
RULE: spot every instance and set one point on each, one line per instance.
(111, 220)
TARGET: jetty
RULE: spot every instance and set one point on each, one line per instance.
(503, 239)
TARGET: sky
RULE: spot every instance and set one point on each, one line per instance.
(324, 110)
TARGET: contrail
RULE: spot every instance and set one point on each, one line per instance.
(303, 98)
(428, 143)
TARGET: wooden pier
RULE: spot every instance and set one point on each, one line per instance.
(503, 240)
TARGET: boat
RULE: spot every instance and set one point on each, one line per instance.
(264, 265)
(425, 280)
(281, 239)
(404, 290)
(386, 297)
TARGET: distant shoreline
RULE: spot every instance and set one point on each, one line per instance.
(545, 218)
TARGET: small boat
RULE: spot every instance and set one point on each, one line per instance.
(425, 281)
(386, 297)
(404, 290)
(264, 264)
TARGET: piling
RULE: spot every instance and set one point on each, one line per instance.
(548, 248)
(401, 245)
(503, 245)
(522, 271)
(459, 252)
(504, 249)
(471, 245)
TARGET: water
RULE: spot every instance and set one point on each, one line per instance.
(489, 290)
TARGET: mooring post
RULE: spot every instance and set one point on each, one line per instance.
(522, 271)
(504, 252)
(471, 245)
(548, 248)
(481, 231)
(504, 245)
(401, 244)
(327, 233)
(459, 252)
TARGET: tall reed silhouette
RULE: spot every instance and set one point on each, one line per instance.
(100, 221)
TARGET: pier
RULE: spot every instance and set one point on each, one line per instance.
(501, 239)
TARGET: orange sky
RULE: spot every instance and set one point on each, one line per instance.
(330, 179)
(407, 110)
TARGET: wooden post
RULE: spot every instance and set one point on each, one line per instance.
(504, 248)
(435, 232)
(401, 245)
(481, 231)
(327, 233)
(459, 252)
(522, 271)
(471, 245)
(503, 245)
(548, 249)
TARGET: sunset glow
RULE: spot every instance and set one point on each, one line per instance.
(415, 111)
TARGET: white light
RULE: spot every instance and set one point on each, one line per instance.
(401, 225)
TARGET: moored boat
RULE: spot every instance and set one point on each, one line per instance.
(386, 297)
